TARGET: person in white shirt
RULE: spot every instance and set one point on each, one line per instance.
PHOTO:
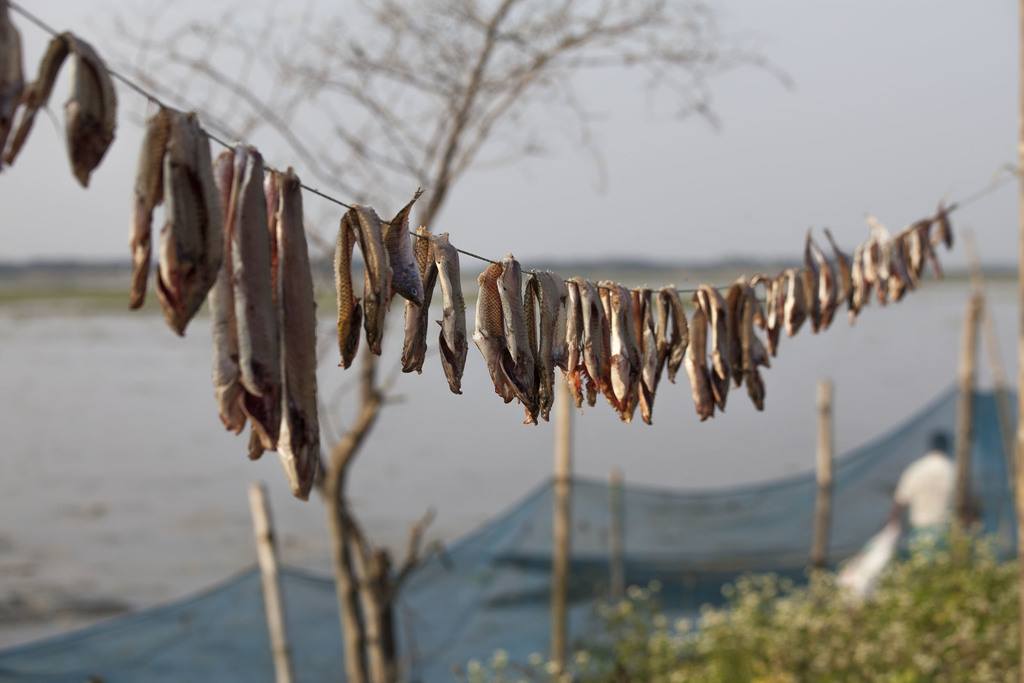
(924, 495)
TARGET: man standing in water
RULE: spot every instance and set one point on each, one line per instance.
(924, 496)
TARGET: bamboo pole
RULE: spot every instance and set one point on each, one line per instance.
(561, 526)
(823, 469)
(1019, 475)
(965, 410)
(1000, 383)
(616, 536)
(273, 600)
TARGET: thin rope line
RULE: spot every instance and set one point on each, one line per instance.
(1005, 173)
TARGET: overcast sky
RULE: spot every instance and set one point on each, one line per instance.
(895, 105)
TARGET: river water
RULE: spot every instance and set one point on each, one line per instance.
(120, 489)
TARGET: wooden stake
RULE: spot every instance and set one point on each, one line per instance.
(266, 551)
(616, 537)
(1000, 384)
(965, 411)
(1019, 459)
(823, 500)
(561, 526)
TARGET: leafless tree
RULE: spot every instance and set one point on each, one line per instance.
(374, 99)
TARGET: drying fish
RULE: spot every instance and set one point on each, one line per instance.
(350, 311)
(861, 294)
(775, 301)
(451, 342)
(414, 348)
(489, 337)
(542, 303)
(753, 353)
(12, 74)
(259, 344)
(227, 383)
(192, 238)
(913, 248)
(845, 284)
(877, 254)
(406, 277)
(149, 193)
(795, 307)
(510, 292)
(298, 444)
(943, 229)
(624, 349)
(560, 343)
(651, 361)
(696, 363)
(38, 92)
(90, 113)
(678, 330)
(900, 279)
(575, 370)
(734, 301)
(823, 285)
(595, 343)
(272, 195)
(715, 311)
(376, 274)
(923, 229)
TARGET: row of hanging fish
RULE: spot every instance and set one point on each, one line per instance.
(90, 113)
(617, 342)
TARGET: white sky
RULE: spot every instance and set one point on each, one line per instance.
(895, 105)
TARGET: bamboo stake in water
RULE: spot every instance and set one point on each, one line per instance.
(616, 537)
(562, 525)
(823, 500)
(965, 410)
(266, 551)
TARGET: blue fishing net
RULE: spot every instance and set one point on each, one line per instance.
(490, 590)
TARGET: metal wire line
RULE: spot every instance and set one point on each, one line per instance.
(1003, 175)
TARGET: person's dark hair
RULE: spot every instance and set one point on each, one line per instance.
(939, 441)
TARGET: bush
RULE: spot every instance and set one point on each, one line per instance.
(948, 613)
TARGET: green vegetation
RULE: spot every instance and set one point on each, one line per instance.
(946, 614)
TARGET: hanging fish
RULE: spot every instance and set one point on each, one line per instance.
(825, 296)
(489, 337)
(90, 113)
(37, 94)
(12, 73)
(734, 300)
(715, 311)
(575, 369)
(651, 362)
(845, 287)
(542, 302)
(350, 312)
(944, 231)
(696, 362)
(414, 348)
(227, 383)
(677, 330)
(596, 355)
(406, 278)
(451, 342)
(376, 274)
(259, 342)
(923, 229)
(510, 292)
(913, 248)
(192, 238)
(560, 344)
(298, 444)
(899, 278)
(624, 349)
(877, 254)
(794, 309)
(775, 303)
(272, 195)
(753, 353)
(861, 284)
(149, 193)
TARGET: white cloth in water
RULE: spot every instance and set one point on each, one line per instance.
(860, 574)
(926, 488)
